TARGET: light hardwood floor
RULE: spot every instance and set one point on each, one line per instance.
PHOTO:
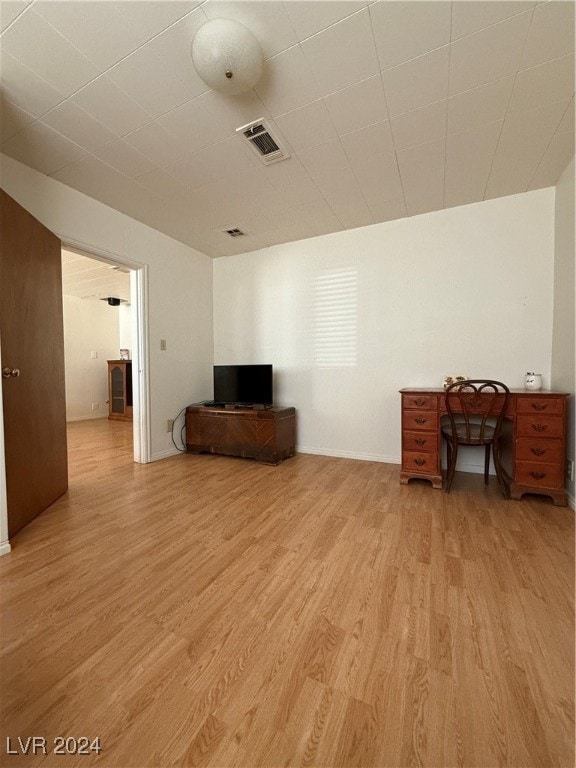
(204, 610)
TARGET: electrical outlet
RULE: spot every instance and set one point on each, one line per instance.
(169, 425)
(95, 406)
(162, 345)
(570, 470)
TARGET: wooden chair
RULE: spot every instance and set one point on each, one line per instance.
(476, 410)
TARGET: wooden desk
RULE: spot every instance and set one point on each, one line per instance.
(538, 440)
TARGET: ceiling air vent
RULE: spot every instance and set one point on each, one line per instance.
(235, 232)
(262, 142)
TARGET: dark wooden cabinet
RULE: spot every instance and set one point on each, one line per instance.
(120, 390)
(267, 435)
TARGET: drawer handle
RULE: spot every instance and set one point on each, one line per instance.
(420, 420)
(419, 462)
(538, 451)
(420, 402)
(537, 475)
(539, 406)
(420, 441)
(539, 427)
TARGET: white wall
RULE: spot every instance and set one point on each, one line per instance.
(179, 287)
(125, 327)
(563, 341)
(90, 326)
(467, 291)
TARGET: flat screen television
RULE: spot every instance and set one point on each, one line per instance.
(246, 384)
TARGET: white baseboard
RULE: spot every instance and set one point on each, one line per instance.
(571, 501)
(87, 418)
(165, 454)
(5, 548)
(349, 455)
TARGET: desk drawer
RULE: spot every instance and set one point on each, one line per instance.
(420, 441)
(537, 449)
(420, 420)
(533, 425)
(421, 462)
(421, 402)
(539, 475)
(544, 405)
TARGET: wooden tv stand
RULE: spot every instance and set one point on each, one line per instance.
(267, 435)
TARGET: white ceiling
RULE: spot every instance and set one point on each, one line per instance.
(389, 109)
(87, 278)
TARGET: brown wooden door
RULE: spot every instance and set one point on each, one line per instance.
(33, 344)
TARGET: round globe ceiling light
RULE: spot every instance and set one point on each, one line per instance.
(227, 56)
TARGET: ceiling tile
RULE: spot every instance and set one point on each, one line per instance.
(544, 84)
(567, 122)
(161, 183)
(42, 49)
(288, 196)
(358, 106)
(268, 22)
(160, 75)
(307, 126)
(524, 140)
(418, 82)
(98, 180)
(154, 142)
(422, 174)
(319, 216)
(227, 158)
(404, 30)
(473, 15)
(342, 54)
(42, 148)
(231, 114)
(319, 159)
(10, 10)
(353, 214)
(338, 183)
(484, 104)
(556, 158)
(420, 125)
(287, 82)
(387, 210)
(488, 55)
(363, 145)
(125, 159)
(379, 179)
(193, 127)
(12, 119)
(24, 88)
(105, 102)
(78, 126)
(289, 172)
(313, 16)
(469, 156)
(551, 34)
(108, 31)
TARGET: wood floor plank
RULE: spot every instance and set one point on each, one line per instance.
(212, 611)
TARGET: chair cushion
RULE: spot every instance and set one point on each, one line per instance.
(474, 438)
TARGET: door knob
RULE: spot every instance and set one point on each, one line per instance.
(10, 372)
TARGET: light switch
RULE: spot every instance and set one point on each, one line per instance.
(93, 355)
(163, 345)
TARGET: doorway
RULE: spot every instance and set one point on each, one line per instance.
(104, 280)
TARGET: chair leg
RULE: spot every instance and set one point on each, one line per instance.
(500, 472)
(452, 456)
(487, 465)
